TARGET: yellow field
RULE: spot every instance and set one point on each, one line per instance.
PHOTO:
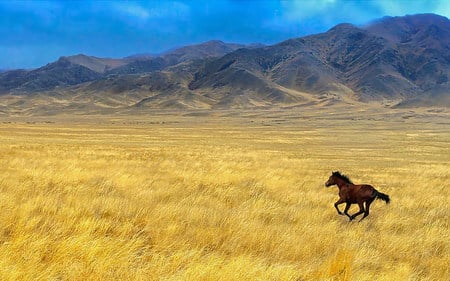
(223, 198)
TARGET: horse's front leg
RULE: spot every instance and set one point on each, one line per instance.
(340, 201)
(347, 207)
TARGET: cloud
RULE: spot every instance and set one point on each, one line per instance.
(303, 17)
(143, 12)
(394, 8)
(400, 8)
(129, 9)
(41, 30)
(298, 10)
(443, 8)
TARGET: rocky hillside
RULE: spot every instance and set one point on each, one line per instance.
(399, 60)
(395, 59)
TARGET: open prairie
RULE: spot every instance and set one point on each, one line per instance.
(224, 196)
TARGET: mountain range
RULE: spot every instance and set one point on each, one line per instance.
(401, 61)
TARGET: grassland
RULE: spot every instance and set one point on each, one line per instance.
(223, 197)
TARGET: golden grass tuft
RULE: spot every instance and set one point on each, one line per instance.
(222, 200)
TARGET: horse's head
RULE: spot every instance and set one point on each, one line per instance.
(332, 179)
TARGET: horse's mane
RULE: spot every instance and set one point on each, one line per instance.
(344, 177)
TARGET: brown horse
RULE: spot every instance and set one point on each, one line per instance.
(350, 193)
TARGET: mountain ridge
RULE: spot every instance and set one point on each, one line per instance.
(394, 60)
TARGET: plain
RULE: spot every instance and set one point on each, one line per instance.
(223, 196)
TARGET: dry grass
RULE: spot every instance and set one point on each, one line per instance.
(222, 200)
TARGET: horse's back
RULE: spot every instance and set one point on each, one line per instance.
(361, 192)
(367, 191)
(367, 187)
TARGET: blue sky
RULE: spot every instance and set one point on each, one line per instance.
(33, 33)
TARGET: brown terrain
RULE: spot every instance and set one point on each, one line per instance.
(393, 62)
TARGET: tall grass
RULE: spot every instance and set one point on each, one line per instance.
(221, 201)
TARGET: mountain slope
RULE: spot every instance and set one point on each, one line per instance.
(202, 51)
(404, 60)
(60, 73)
(423, 44)
(214, 48)
(346, 60)
(73, 70)
(100, 65)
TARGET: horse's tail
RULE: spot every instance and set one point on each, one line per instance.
(382, 196)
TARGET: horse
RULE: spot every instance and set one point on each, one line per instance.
(350, 193)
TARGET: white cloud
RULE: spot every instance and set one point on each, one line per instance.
(136, 11)
(400, 8)
(153, 10)
(132, 10)
(299, 9)
(443, 8)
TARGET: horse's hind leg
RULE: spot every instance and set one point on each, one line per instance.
(361, 210)
(366, 211)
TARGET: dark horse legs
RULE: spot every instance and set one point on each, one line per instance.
(366, 211)
(347, 206)
(340, 201)
(362, 210)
